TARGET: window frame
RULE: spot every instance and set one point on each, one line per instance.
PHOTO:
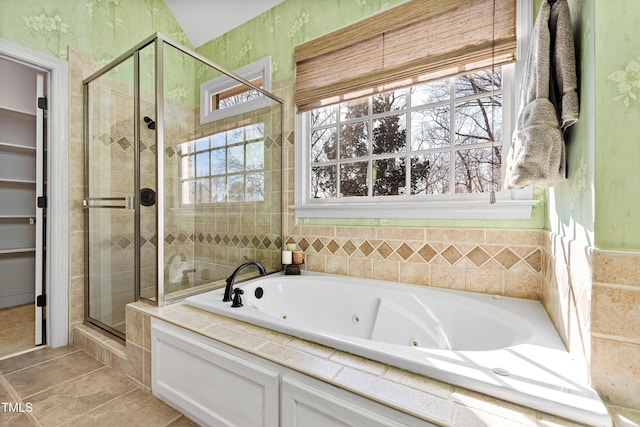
(260, 69)
(510, 204)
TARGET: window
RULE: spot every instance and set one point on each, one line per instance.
(433, 138)
(234, 96)
(225, 96)
(410, 133)
(223, 167)
(432, 150)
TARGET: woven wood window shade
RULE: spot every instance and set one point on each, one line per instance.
(417, 41)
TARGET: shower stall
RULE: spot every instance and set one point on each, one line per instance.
(175, 199)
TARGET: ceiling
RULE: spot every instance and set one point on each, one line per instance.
(203, 20)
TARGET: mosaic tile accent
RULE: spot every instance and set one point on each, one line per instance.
(289, 137)
(124, 142)
(169, 151)
(475, 260)
(273, 242)
(273, 142)
(118, 242)
(232, 240)
(453, 254)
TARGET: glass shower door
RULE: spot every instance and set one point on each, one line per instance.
(110, 204)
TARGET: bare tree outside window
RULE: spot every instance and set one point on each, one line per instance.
(433, 138)
(240, 98)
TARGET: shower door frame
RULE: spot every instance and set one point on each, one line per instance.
(135, 203)
(159, 40)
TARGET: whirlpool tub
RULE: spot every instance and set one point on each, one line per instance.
(504, 347)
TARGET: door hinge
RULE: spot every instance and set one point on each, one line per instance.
(41, 300)
(42, 103)
(41, 201)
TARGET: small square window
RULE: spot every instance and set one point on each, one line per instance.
(224, 167)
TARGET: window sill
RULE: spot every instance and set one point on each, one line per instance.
(442, 209)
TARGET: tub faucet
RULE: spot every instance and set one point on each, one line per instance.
(229, 289)
(185, 277)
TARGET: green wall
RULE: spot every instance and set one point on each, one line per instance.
(571, 203)
(104, 28)
(617, 125)
(599, 203)
(293, 22)
(277, 31)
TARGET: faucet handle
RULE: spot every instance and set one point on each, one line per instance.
(237, 298)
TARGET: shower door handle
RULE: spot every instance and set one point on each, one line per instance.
(147, 197)
(109, 202)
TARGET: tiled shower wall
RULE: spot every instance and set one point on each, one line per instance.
(233, 233)
(216, 238)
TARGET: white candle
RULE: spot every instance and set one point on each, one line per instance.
(287, 257)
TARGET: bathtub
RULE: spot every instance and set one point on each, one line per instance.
(503, 347)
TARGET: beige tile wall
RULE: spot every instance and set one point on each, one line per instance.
(80, 67)
(615, 326)
(566, 294)
(593, 299)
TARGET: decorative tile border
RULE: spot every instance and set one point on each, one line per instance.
(473, 255)
(499, 262)
(253, 241)
(268, 241)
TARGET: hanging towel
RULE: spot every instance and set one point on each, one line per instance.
(549, 102)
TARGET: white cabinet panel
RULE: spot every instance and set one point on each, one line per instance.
(321, 405)
(217, 385)
(211, 385)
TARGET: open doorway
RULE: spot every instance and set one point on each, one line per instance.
(55, 236)
(23, 132)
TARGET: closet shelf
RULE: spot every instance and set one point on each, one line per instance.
(17, 181)
(16, 251)
(15, 148)
(17, 111)
(16, 216)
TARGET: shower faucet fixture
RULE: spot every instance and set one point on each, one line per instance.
(151, 124)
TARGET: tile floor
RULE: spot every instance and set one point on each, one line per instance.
(18, 329)
(67, 387)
